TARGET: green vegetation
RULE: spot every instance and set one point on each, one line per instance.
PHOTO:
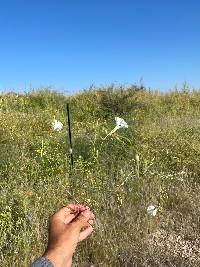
(154, 161)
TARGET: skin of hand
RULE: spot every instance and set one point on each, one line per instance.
(68, 226)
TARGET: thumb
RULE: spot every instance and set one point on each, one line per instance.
(80, 221)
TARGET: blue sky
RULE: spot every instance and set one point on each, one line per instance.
(72, 44)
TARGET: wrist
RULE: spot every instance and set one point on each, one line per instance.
(58, 258)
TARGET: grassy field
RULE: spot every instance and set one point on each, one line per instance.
(154, 161)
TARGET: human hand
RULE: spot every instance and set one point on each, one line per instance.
(68, 226)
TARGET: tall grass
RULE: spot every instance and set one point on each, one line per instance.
(154, 161)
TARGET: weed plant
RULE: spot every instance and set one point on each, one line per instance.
(154, 161)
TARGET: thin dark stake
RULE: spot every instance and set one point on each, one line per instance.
(70, 136)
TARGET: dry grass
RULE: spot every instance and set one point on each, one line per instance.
(164, 131)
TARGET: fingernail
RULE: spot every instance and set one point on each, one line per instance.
(86, 213)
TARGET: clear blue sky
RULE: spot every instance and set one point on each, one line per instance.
(73, 43)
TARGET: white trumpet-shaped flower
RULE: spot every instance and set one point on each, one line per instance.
(152, 210)
(120, 123)
(57, 125)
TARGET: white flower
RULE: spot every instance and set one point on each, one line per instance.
(137, 157)
(57, 125)
(152, 210)
(121, 123)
